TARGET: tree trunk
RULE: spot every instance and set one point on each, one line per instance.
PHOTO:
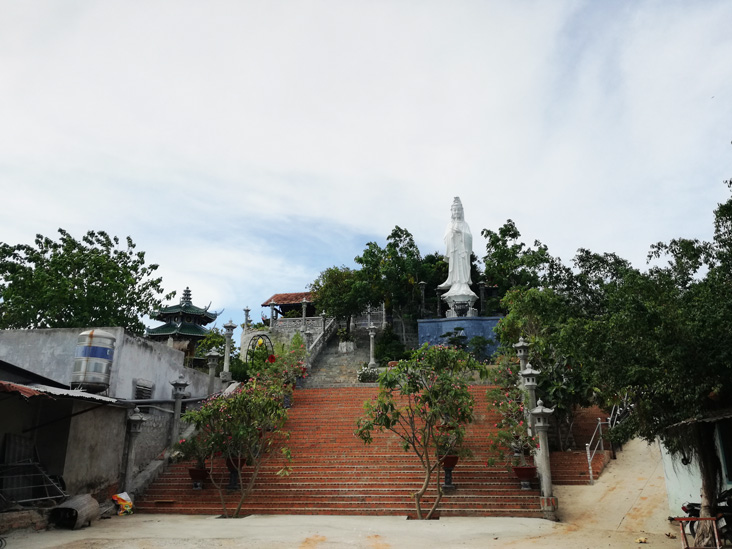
(710, 468)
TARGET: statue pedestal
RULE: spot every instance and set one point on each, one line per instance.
(431, 330)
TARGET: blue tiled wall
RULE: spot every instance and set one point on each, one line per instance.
(431, 330)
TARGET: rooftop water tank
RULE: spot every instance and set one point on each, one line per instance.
(93, 361)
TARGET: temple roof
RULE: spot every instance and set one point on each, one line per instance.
(185, 307)
(184, 329)
(288, 299)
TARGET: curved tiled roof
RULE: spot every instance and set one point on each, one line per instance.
(185, 307)
(184, 329)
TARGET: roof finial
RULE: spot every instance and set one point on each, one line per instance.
(186, 298)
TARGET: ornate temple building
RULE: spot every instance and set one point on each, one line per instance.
(184, 324)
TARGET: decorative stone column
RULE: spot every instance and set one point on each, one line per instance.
(247, 310)
(179, 388)
(272, 316)
(304, 313)
(323, 316)
(541, 422)
(213, 362)
(522, 351)
(228, 332)
(481, 285)
(134, 428)
(422, 286)
(372, 333)
(528, 374)
(383, 316)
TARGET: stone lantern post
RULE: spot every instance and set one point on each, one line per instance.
(304, 313)
(528, 374)
(422, 286)
(522, 351)
(247, 310)
(134, 428)
(481, 285)
(322, 317)
(213, 361)
(228, 332)
(179, 389)
(541, 422)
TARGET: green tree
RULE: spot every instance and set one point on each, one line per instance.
(391, 275)
(509, 263)
(244, 427)
(659, 336)
(215, 340)
(69, 283)
(425, 401)
(336, 291)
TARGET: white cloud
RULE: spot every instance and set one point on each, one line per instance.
(247, 146)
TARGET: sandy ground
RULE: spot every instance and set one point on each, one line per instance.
(627, 503)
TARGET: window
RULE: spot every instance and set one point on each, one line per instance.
(144, 389)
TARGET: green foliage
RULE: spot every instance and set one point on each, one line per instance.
(388, 347)
(243, 427)
(337, 291)
(284, 367)
(366, 374)
(195, 448)
(391, 274)
(507, 397)
(659, 336)
(478, 347)
(215, 340)
(425, 401)
(456, 337)
(76, 284)
(509, 263)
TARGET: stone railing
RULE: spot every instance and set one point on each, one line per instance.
(321, 340)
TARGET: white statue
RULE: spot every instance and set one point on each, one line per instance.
(459, 243)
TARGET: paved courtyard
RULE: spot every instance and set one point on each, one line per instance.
(627, 503)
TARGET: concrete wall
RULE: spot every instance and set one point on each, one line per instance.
(95, 448)
(50, 353)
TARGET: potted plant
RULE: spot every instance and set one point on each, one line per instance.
(195, 448)
(513, 438)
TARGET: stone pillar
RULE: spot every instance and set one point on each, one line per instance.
(134, 428)
(271, 316)
(383, 316)
(304, 313)
(179, 387)
(213, 361)
(322, 316)
(422, 310)
(541, 420)
(228, 333)
(247, 310)
(481, 285)
(372, 333)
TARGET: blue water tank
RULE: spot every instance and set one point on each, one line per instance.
(93, 361)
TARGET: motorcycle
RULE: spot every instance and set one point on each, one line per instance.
(724, 514)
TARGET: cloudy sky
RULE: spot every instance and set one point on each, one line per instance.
(248, 145)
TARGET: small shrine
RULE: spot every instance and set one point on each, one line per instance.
(184, 324)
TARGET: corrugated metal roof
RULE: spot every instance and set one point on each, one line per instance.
(36, 389)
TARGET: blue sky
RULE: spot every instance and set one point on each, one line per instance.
(248, 145)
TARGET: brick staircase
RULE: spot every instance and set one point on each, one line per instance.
(334, 473)
(570, 467)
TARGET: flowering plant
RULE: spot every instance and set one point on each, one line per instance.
(513, 437)
(196, 447)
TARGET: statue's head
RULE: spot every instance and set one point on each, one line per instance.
(457, 209)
